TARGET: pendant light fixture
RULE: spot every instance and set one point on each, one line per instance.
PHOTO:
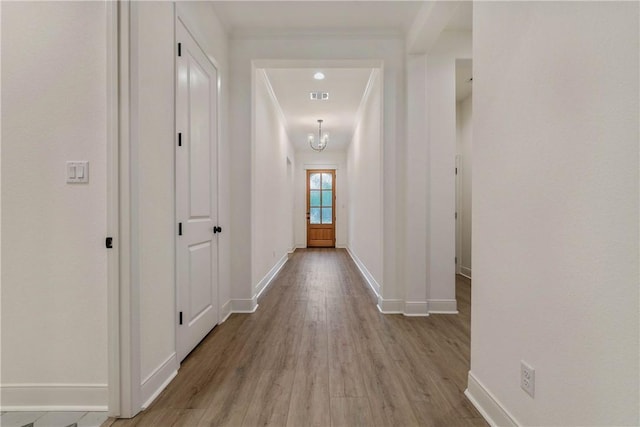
(323, 139)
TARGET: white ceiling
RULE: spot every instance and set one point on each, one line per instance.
(345, 86)
(307, 16)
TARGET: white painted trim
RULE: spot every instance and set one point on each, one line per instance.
(225, 311)
(283, 34)
(486, 403)
(160, 378)
(368, 277)
(390, 306)
(244, 305)
(54, 397)
(416, 308)
(113, 264)
(465, 271)
(264, 283)
(443, 306)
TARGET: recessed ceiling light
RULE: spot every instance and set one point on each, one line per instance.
(318, 76)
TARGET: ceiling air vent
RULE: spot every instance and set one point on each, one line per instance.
(319, 96)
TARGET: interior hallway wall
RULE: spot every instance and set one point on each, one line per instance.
(54, 264)
(555, 222)
(364, 179)
(324, 160)
(464, 149)
(272, 235)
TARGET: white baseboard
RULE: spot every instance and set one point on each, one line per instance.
(486, 403)
(416, 308)
(443, 306)
(153, 385)
(225, 311)
(465, 271)
(244, 305)
(264, 283)
(53, 397)
(368, 277)
(390, 306)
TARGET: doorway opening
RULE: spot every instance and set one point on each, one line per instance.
(321, 216)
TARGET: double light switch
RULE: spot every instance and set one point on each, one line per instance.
(77, 172)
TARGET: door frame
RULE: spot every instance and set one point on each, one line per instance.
(308, 172)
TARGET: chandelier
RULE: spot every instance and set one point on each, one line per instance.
(323, 139)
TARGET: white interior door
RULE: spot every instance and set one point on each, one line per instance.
(196, 193)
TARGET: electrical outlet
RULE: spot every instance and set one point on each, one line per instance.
(527, 378)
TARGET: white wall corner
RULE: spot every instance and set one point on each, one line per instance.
(225, 311)
(239, 305)
(368, 277)
(160, 378)
(416, 308)
(264, 283)
(53, 397)
(443, 306)
(486, 403)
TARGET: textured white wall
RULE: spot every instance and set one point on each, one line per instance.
(272, 203)
(463, 149)
(364, 176)
(326, 158)
(555, 199)
(54, 283)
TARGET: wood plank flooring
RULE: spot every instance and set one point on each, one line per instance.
(318, 353)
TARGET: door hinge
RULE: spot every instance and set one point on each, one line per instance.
(179, 229)
(108, 242)
(455, 215)
(179, 49)
(456, 171)
(456, 260)
(180, 316)
(179, 139)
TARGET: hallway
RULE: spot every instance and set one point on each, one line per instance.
(317, 352)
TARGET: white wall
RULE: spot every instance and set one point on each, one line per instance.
(244, 50)
(153, 146)
(324, 160)
(555, 221)
(54, 300)
(430, 165)
(272, 185)
(364, 180)
(463, 149)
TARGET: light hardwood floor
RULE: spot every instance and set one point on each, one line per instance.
(318, 353)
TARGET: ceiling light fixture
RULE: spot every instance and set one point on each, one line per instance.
(323, 139)
(318, 76)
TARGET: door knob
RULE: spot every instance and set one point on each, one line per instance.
(217, 229)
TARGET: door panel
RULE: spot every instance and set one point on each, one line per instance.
(321, 215)
(196, 194)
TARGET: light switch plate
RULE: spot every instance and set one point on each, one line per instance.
(77, 172)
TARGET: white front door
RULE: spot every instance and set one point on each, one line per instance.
(196, 193)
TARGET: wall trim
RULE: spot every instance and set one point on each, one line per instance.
(225, 311)
(153, 385)
(416, 308)
(465, 271)
(443, 306)
(319, 166)
(264, 283)
(390, 306)
(53, 397)
(368, 277)
(487, 404)
(244, 305)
